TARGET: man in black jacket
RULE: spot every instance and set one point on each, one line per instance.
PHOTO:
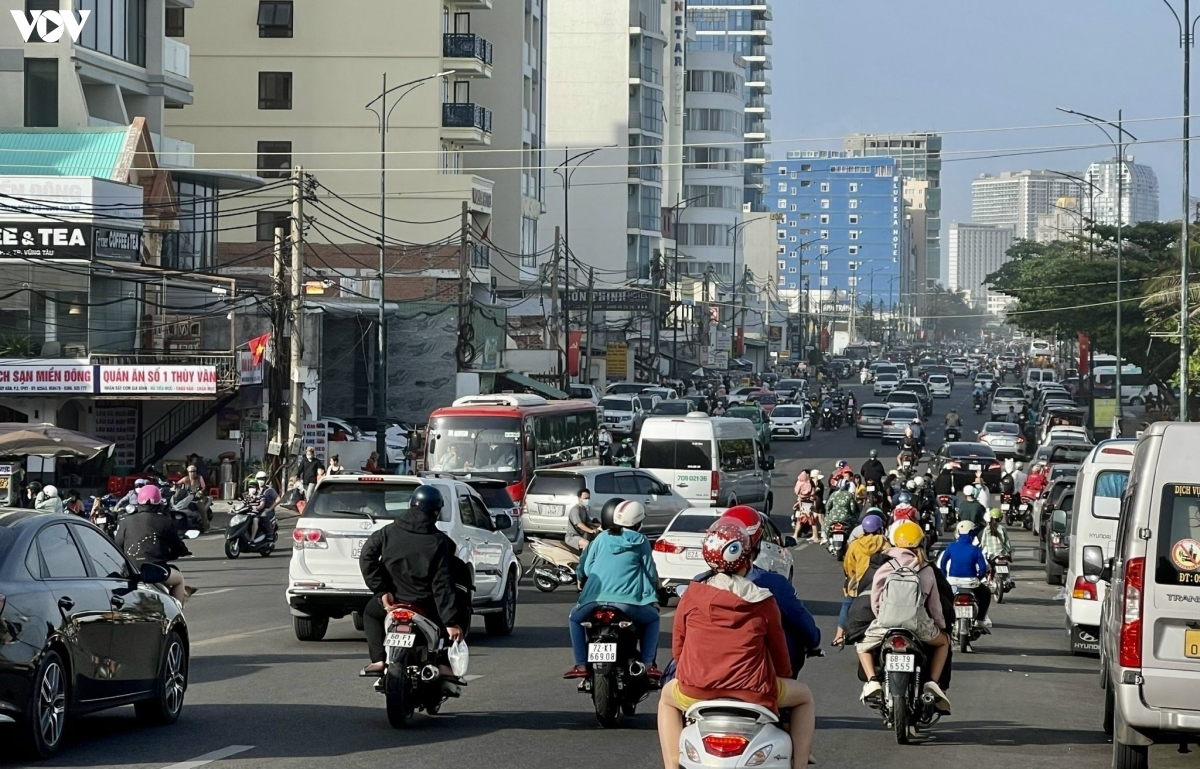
(149, 536)
(873, 469)
(409, 561)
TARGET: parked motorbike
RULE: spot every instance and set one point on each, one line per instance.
(237, 534)
(839, 533)
(903, 703)
(553, 564)
(616, 677)
(997, 579)
(411, 680)
(966, 609)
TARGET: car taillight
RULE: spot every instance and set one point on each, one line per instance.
(309, 538)
(944, 499)
(663, 546)
(1131, 619)
(724, 745)
(1020, 439)
(994, 466)
(1084, 590)
(715, 488)
(604, 615)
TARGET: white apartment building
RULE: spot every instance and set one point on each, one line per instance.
(1065, 221)
(976, 251)
(282, 83)
(1017, 198)
(614, 98)
(1140, 200)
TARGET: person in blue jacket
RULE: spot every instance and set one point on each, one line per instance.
(964, 560)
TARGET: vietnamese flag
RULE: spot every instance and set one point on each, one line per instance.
(258, 346)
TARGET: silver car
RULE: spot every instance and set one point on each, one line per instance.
(870, 419)
(624, 414)
(896, 420)
(1005, 439)
(552, 493)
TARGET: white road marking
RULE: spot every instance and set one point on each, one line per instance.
(239, 636)
(470, 678)
(208, 758)
(214, 592)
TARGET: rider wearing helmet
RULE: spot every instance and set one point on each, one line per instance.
(798, 623)
(843, 470)
(147, 536)
(953, 419)
(410, 562)
(929, 626)
(729, 643)
(971, 510)
(131, 497)
(964, 565)
(617, 570)
(264, 507)
(993, 540)
(865, 541)
(873, 470)
(47, 500)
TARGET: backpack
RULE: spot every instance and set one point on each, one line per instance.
(902, 604)
(1007, 484)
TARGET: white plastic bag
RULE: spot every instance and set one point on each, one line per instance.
(460, 657)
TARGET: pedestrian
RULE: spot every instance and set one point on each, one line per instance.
(16, 485)
(310, 471)
(335, 466)
(372, 464)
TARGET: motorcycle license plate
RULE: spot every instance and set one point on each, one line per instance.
(839, 537)
(944, 510)
(964, 612)
(693, 554)
(101, 520)
(1005, 506)
(907, 464)
(976, 467)
(1024, 508)
(1001, 569)
(870, 489)
(357, 546)
(900, 663)
(400, 640)
(602, 652)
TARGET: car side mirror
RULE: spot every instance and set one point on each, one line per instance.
(1094, 564)
(154, 574)
(1058, 522)
(191, 533)
(502, 521)
(789, 541)
(770, 463)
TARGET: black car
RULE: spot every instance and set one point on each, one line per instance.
(1056, 550)
(81, 630)
(1052, 501)
(956, 464)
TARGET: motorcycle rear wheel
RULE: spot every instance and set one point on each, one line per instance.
(900, 717)
(545, 584)
(605, 700)
(964, 635)
(400, 710)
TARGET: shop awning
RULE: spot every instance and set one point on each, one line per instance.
(541, 388)
(63, 152)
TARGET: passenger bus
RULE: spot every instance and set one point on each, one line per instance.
(507, 437)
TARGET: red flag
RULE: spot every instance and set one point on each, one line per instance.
(258, 346)
(1085, 349)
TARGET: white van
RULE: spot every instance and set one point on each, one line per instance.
(1098, 488)
(1036, 377)
(710, 461)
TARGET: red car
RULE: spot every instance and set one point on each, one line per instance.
(765, 400)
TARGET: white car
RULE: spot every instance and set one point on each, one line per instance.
(740, 395)
(624, 414)
(939, 385)
(678, 558)
(791, 421)
(324, 580)
(961, 367)
(885, 383)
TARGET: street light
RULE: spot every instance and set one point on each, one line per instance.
(676, 210)
(1093, 189)
(1187, 39)
(384, 114)
(1119, 145)
(735, 228)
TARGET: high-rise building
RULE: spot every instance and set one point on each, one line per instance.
(918, 157)
(743, 28)
(612, 86)
(840, 231)
(1140, 200)
(1017, 199)
(976, 251)
(1064, 222)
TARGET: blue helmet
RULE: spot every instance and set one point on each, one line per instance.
(904, 498)
(427, 499)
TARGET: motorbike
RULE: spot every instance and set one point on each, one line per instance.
(997, 579)
(966, 609)
(903, 703)
(104, 514)
(606, 454)
(949, 515)
(979, 405)
(929, 525)
(186, 503)
(952, 434)
(411, 680)
(839, 533)
(827, 418)
(1025, 511)
(237, 534)
(731, 733)
(553, 564)
(1009, 507)
(616, 677)
(908, 462)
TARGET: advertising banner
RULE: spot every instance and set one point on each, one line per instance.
(46, 379)
(161, 380)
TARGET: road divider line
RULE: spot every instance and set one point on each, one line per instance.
(239, 636)
(208, 758)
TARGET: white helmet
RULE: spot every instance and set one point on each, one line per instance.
(50, 490)
(260, 476)
(912, 484)
(968, 490)
(629, 514)
(919, 481)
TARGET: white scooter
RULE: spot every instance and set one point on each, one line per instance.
(554, 564)
(732, 734)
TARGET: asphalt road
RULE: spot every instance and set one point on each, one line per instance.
(260, 698)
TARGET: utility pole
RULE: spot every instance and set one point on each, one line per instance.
(464, 266)
(1186, 40)
(553, 326)
(276, 382)
(297, 312)
(591, 299)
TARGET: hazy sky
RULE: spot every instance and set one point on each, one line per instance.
(878, 66)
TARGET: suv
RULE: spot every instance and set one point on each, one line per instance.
(906, 398)
(922, 392)
(1150, 622)
(624, 414)
(324, 580)
(1005, 397)
(551, 494)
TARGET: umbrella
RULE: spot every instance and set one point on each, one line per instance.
(46, 440)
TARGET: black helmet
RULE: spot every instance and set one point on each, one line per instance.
(607, 513)
(34, 487)
(427, 499)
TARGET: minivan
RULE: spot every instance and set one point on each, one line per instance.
(1150, 621)
(1036, 377)
(710, 461)
(1098, 488)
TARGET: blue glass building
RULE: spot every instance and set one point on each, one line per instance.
(840, 229)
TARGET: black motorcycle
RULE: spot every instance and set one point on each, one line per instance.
(616, 677)
(953, 434)
(827, 418)
(904, 704)
(104, 514)
(411, 680)
(237, 534)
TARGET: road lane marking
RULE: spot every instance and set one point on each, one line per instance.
(239, 636)
(218, 591)
(471, 678)
(208, 758)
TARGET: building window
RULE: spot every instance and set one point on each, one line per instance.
(782, 265)
(854, 234)
(782, 249)
(274, 160)
(175, 26)
(824, 186)
(783, 170)
(529, 247)
(854, 203)
(781, 234)
(275, 18)
(267, 221)
(41, 93)
(824, 281)
(824, 203)
(805, 183)
(194, 245)
(782, 187)
(793, 174)
(793, 190)
(824, 235)
(274, 90)
(116, 28)
(793, 207)
(792, 239)
(791, 270)
(806, 231)
(824, 250)
(805, 215)
(853, 250)
(824, 218)
(805, 166)
(854, 218)
(854, 186)
(782, 204)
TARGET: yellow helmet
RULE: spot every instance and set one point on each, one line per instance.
(907, 534)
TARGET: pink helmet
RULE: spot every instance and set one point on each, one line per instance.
(149, 495)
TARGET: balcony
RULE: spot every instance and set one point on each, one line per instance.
(641, 24)
(176, 58)
(474, 5)
(467, 54)
(640, 73)
(466, 123)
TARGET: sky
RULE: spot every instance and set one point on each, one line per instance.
(889, 66)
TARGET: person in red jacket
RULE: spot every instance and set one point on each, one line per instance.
(1035, 483)
(729, 643)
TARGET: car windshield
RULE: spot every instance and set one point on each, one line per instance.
(788, 411)
(476, 444)
(1010, 392)
(754, 415)
(615, 404)
(984, 375)
(691, 524)
(626, 388)
(1070, 453)
(938, 379)
(358, 500)
(887, 377)
(874, 411)
(555, 485)
(675, 455)
(494, 496)
(766, 398)
(790, 384)
(672, 408)
(1002, 427)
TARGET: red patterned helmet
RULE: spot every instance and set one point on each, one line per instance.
(726, 546)
(749, 518)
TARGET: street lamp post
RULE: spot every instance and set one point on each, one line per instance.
(384, 114)
(735, 229)
(1119, 145)
(1092, 190)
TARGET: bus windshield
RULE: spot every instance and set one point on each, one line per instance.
(489, 446)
